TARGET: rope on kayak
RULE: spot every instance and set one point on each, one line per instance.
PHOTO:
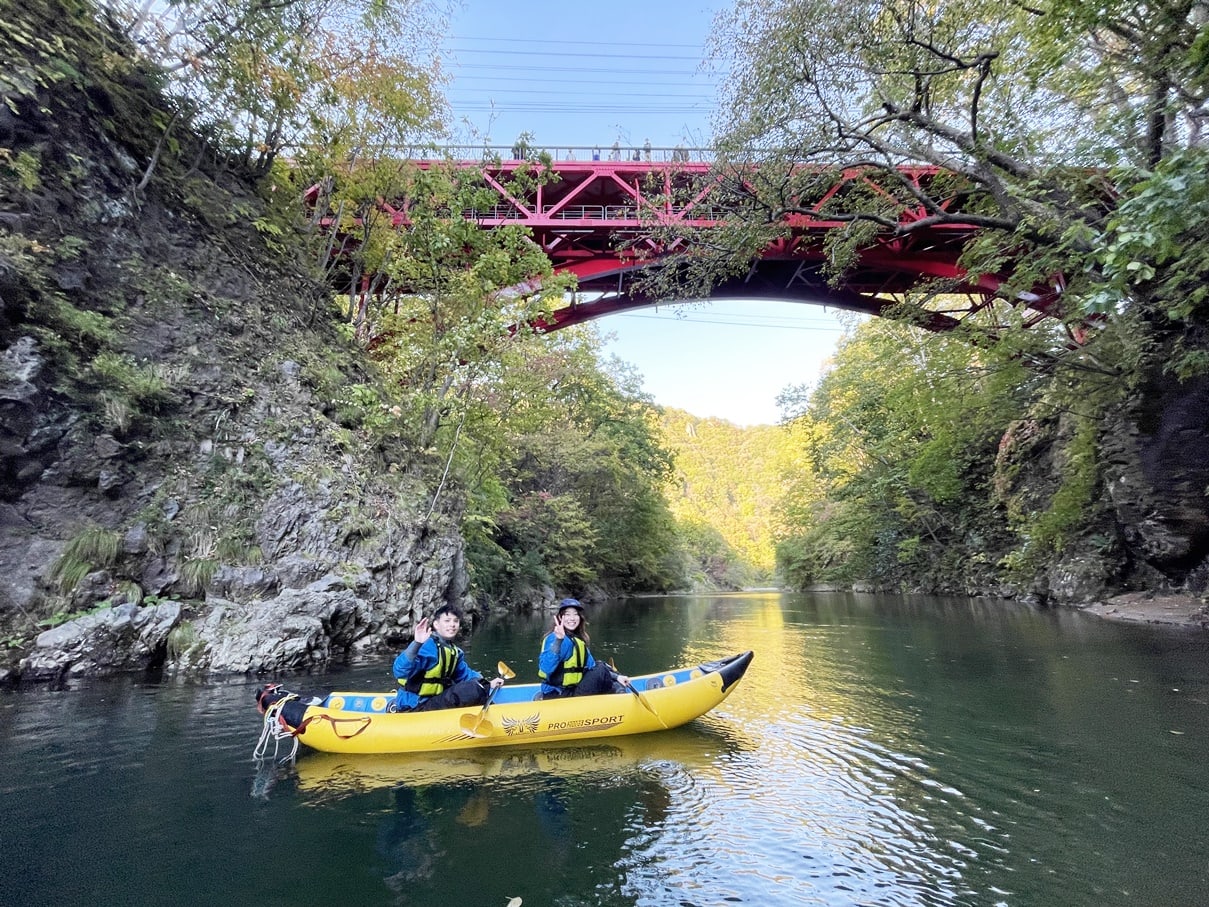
(275, 729)
(335, 723)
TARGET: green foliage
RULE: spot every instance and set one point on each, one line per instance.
(272, 232)
(1070, 134)
(1155, 255)
(58, 618)
(22, 167)
(126, 591)
(139, 384)
(728, 478)
(324, 377)
(450, 292)
(90, 550)
(711, 561)
(564, 470)
(1049, 531)
(899, 443)
(43, 61)
(196, 573)
(152, 600)
(211, 203)
(182, 640)
(69, 572)
(84, 329)
(362, 406)
(261, 76)
(219, 529)
(553, 536)
(72, 248)
(1047, 119)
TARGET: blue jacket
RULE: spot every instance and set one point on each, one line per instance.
(415, 661)
(554, 653)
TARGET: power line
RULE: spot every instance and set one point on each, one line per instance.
(579, 55)
(546, 80)
(629, 71)
(563, 43)
(522, 82)
(535, 92)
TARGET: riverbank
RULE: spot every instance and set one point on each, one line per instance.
(1174, 610)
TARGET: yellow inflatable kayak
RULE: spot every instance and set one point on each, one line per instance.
(353, 722)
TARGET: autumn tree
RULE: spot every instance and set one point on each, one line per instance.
(263, 77)
(1040, 117)
(455, 300)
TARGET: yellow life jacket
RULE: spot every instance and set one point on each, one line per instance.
(437, 678)
(571, 671)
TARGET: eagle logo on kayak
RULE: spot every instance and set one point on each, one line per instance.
(528, 725)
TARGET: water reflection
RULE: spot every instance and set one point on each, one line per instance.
(323, 777)
(560, 816)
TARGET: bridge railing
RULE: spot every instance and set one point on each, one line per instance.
(589, 212)
(561, 153)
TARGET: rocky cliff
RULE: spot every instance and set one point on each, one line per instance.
(184, 479)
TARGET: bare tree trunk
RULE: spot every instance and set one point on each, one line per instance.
(155, 156)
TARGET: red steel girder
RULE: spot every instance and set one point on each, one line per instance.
(588, 218)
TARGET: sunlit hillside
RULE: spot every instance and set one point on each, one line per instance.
(726, 479)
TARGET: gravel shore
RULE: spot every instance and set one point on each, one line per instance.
(1145, 608)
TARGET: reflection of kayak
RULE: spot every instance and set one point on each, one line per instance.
(349, 722)
(340, 773)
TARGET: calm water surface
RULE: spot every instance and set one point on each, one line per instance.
(881, 751)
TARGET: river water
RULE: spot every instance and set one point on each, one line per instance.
(881, 751)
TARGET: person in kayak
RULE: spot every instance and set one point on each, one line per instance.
(432, 671)
(566, 666)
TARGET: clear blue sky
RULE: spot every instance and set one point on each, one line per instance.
(582, 73)
(578, 75)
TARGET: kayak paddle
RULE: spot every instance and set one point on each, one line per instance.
(641, 699)
(477, 725)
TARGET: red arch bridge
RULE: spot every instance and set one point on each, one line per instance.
(594, 220)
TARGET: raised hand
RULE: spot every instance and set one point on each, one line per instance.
(559, 631)
(422, 631)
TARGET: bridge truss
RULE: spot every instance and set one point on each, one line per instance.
(596, 219)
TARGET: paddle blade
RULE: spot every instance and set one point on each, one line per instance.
(476, 725)
(642, 700)
(506, 672)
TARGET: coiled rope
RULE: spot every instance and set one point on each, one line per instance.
(275, 730)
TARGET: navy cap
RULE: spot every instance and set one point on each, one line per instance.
(570, 603)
